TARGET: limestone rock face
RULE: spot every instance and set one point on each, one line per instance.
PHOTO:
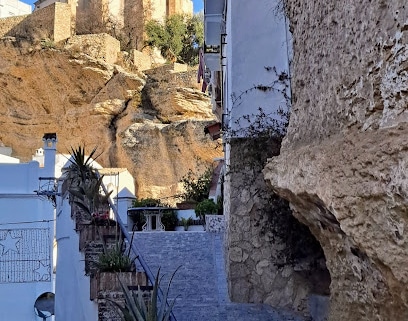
(92, 103)
(343, 163)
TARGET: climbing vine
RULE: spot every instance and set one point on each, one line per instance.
(253, 139)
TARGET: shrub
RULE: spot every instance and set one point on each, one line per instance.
(197, 189)
(186, 222)
(178, 38)
(206, 207)
(169, 220)
(147, 202)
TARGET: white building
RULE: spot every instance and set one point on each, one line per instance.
(246, 56)
(26, 234)
(9, 8)
(28, 194)
(244, 43)
(72, 289)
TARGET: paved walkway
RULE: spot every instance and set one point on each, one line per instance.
(199, 286)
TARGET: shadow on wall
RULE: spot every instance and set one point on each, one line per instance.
(301, 251)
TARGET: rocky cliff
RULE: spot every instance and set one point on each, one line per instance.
(153, 125)
(343, 165)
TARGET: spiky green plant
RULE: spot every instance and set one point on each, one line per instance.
(114, 260)
(80, 169)
(186, 222)
(137, 308)
(88, 196)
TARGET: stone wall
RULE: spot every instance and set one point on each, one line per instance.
(99, 46)
(179, 6)
(343, 163)
(136, 12)
(62, 21)
(271, 258)
(52, 22)
(7, 24)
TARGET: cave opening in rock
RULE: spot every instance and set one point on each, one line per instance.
(301, 250)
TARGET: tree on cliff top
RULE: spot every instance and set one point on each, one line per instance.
(178, 38)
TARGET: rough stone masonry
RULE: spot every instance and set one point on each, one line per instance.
(343, 164)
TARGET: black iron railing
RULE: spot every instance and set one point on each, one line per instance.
(135, 250)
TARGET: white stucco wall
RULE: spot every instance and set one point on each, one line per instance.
(26, 237)
(10, 8)
(72, 286)
(256, 41)
(4, 159)
(19, 178)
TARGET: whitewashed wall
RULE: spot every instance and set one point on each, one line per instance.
(256, 44)
(10, 8)
(72, 286)
(26, 238)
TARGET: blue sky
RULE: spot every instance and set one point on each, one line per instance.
(198, 4)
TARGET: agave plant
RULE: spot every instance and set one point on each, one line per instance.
(137, 308)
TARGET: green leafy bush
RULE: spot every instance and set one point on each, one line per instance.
(169, 220)
(206, 207)
(197, 188)
(147, 202)
(178, 38)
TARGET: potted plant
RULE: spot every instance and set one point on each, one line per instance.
(112, 262)
(84, 186)
(88, 198)
(186, 222)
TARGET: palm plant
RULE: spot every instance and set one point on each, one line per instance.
(88, 196)
(84, 182)
(137, 308)
(80, 170)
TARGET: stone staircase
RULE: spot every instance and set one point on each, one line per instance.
(199, 286)
(105, 286)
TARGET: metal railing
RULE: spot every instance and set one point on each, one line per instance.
(135, 250)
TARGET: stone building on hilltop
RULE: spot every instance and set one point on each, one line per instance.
(123, 19)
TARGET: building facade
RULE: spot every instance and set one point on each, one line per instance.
(26, 234)
(10, 8)
(72, 289)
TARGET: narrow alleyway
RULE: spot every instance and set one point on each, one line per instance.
(200, 285)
